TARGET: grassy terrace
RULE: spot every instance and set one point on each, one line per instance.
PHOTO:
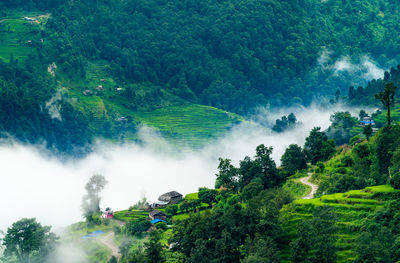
(351, 207)
(177, 120)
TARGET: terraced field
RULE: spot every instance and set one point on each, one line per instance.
(351, 208)
(194, 122)
(19, 37)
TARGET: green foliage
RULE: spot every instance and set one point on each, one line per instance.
(293, 159)
(252, 189)
(285, 123)
(162, 226)
(154, 248)
(395, 180)
(137, 227)
(227, 174)
(216, 235)
(207, 196)
(379, 236)
(27, 240)
(172, 209)
(367, 131)
(341, 127)
(113, 259)
(387, 98)
(318, 147)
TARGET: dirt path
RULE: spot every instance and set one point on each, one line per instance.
(108, 241)
(314, 187)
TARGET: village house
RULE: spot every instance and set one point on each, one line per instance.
(107, 214)
(88, 92)
(157, 214)
(367, 121)
(172, 197)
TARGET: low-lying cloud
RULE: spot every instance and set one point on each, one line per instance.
(34, 185)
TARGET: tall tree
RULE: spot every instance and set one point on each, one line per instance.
(91, 201)
(367, 131)
(387, 98)
(293, 159)
(318, 147)
(27, 239)
(227, 175)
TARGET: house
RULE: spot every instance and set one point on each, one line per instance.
(159, 204)
(107, 214)
(367, 121)
(157, 214)
(100, 88)
(122, 119)
(172, 197)
(88, 92)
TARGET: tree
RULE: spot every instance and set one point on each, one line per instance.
(227, 175)
(154, 248)
(27, 239)
(293, 159)
(318, 147)
(387, 98)
(172, 209)
(269, 173)
(367, 131)
(91, 201)
(113, 259)
(207, 196)
(362, 114)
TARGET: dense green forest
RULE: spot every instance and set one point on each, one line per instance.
(115, 60)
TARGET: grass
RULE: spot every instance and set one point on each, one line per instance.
(130, 215)
(351, 208)
(296, 188)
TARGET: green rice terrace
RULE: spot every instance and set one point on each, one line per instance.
(350, 207)
(105, 103)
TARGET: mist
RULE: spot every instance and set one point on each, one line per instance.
(35, 185)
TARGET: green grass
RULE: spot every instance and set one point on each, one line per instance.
(296, 188)
(351, 208)
(130, 215)
(192, 196)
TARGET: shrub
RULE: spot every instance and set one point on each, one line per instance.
(172, 209)
(162, 226)
(395, 180)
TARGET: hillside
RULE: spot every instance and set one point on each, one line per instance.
(351, 209)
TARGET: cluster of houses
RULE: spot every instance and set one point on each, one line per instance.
(31, 20)
(157, 216)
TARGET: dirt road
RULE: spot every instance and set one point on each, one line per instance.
(314, 187)
(108, 241)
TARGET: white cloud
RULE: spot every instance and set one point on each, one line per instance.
(33, 185)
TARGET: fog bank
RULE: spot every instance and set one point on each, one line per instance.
(33, 185)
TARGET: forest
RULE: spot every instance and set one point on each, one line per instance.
(232, 56)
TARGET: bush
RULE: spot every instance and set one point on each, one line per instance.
(162, 226)
(172, 210)
(137, 227)
(395, 180)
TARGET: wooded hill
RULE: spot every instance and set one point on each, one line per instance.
(159, 54)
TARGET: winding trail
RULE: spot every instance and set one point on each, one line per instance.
(108, 241)
(314, 187)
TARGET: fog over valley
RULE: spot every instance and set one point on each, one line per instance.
(51, 190)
